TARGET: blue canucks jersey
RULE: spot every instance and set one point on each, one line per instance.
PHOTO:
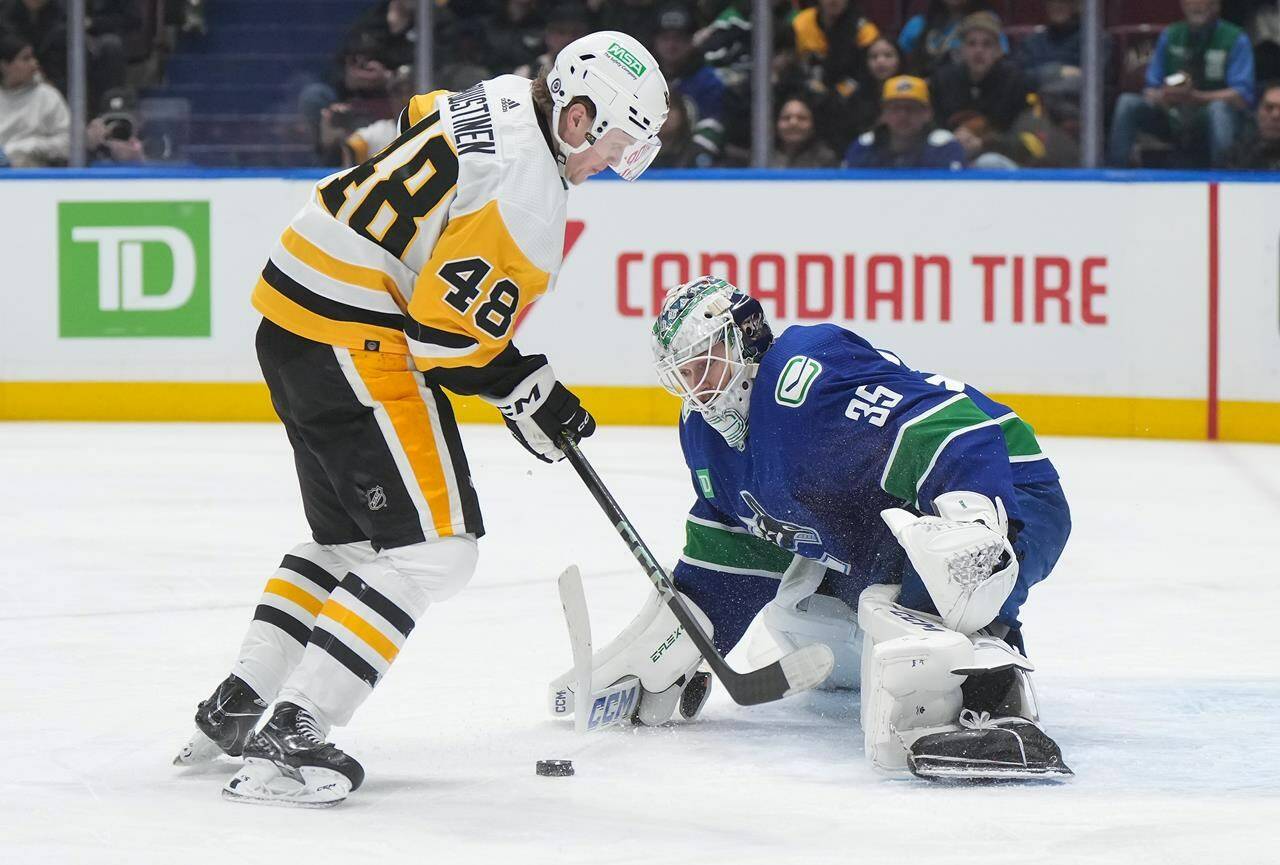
(839, 431)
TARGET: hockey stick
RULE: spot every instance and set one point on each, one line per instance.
(592, 709)
(798, 671)
(574, 602)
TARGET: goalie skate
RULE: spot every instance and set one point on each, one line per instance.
(987, 749)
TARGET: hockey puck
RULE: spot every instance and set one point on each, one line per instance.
(555, 768)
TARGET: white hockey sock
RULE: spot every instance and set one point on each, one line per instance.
(282, 622)
(364, 624)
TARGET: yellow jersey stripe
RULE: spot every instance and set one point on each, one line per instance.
(290, 592)
(335, 268)
(422, 105)
(299, 320)
(356, 624)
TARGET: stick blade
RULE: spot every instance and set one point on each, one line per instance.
(576, 617)
(799, 671)
(807, 667)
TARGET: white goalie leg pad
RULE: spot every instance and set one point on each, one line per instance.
(909, 688)
(655, 649)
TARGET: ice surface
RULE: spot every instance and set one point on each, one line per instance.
(133, 556)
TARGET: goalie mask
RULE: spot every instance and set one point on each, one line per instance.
(707, 345)
(629, 94)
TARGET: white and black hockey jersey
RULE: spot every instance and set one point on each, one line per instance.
(434, 246)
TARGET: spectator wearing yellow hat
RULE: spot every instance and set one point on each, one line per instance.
(906, 136)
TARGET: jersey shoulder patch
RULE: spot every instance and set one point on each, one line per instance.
(796, 380)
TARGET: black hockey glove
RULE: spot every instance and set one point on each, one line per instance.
(540, 409)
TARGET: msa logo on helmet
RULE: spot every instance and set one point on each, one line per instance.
(626, 60)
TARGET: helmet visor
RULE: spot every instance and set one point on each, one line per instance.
(626, 155)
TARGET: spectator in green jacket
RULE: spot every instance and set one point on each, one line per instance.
(1200, 85)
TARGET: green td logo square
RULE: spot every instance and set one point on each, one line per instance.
(133, 268)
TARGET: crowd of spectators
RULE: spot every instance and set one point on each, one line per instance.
(120, 56)
(955, 88)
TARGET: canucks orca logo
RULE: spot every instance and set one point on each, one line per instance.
(788, 536)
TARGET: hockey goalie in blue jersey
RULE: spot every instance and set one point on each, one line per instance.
(897, 516)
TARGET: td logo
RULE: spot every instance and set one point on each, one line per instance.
(133, 268)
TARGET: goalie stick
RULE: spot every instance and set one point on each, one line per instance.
(592, 709)
(795, 672)
(574, 601)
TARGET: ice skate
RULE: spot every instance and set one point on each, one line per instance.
(223, 723)
(988, 749)
(289, 763)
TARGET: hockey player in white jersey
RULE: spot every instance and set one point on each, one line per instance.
(402, 278)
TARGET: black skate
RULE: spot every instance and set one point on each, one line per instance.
(224, 723)
(999, 738)
(288, 762)
(988, 749)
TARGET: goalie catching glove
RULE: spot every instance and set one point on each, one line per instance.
(540, 409)
(963, 556)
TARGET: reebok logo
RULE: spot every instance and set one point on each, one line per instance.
(133, 269)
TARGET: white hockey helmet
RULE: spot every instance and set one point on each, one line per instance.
(628, 91)
(707, 344)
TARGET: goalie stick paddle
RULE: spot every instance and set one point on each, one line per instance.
(612, 705)
(795, 672)
(574, 601)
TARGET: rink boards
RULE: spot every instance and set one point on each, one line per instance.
(1097, 303)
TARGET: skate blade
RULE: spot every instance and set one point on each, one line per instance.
(200, 751)
(933, 771)
(262, 782)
